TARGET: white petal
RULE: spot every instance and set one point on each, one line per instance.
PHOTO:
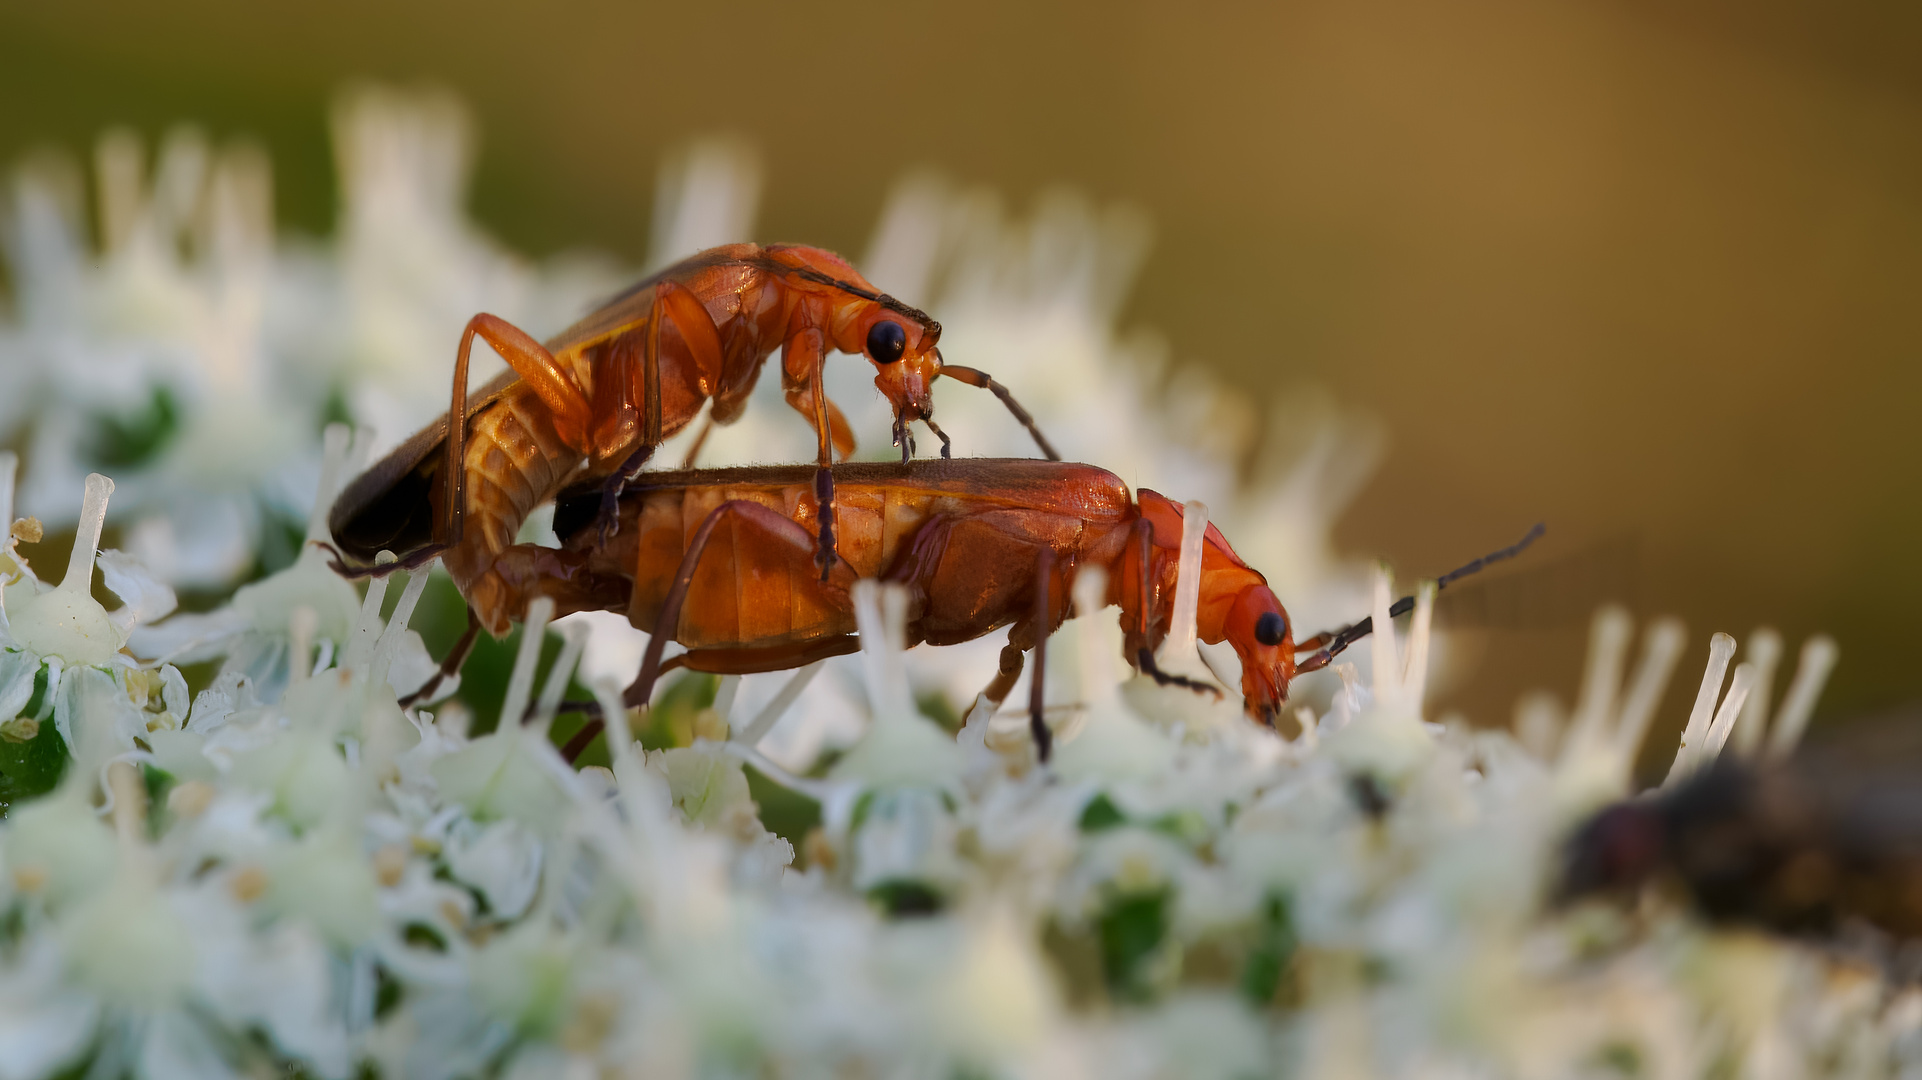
(144, 597)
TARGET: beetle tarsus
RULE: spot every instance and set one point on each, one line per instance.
(450, 667)
(824, 499)
(609, 518)
(947, 444)
(1145, 660)
(904, 437)
(1037, 694)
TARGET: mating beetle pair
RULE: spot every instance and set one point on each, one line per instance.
(981, 544)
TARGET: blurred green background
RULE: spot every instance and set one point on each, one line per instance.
(1645, 271)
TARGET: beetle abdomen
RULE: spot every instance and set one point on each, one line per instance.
(514, 462)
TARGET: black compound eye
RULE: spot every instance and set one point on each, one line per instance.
(1270, 628)
(887, 341)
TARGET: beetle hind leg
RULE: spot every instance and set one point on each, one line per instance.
(450, 667)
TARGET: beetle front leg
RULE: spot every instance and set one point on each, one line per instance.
(1144, 657)
(947, 444)
(1037, 684)
(904, 437)
(801, 370)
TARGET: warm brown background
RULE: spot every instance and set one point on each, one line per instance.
(1646, 270)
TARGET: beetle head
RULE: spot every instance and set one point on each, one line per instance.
(906, 361)
(1258, 628)
(898, 339)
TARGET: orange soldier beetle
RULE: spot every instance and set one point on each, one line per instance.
(609, 389)
(718, 560)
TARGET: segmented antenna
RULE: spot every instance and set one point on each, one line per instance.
(1332, 643)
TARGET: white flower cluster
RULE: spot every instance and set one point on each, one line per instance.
(291, 873)
(196, 357)
(327, 882)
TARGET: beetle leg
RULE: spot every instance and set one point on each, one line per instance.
(978, 378)
(608, 518)
(752, 661)
(1145, 541)
(1144, 652)
(1012, 658)
(1145, 660)
(673, 303)
(840, 432)
(642, 688)
(801, 371)
(904, 437)
(1043, 620)
(766, 546)
(947, 444)
(551, 382)
(722, 661)
(676, 303)
(823, 477)
(824, 556)
(450, 667)
(700, 440)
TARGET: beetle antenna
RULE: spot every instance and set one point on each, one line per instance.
(1331, 643)
(979, 379)
(808, 273)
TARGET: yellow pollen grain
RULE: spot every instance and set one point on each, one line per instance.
(390, 862)
(28, 530)
(248, 884)
(818, 849)
(593, 1019)
(452, 912)
(1137, 873)
(29, 879)
(711, 726)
